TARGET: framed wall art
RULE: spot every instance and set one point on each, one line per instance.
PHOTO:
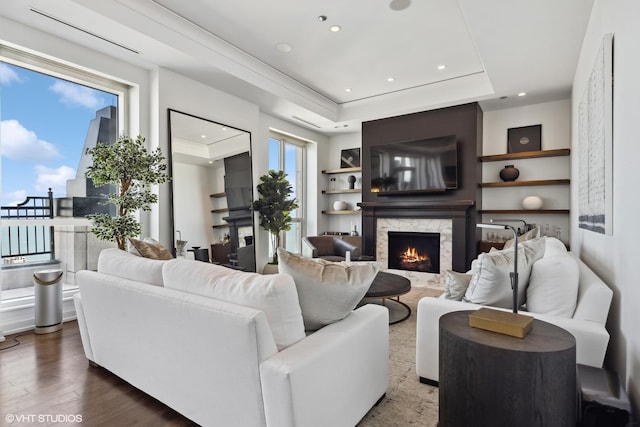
(595, 143)
(526, 138)
(350, 158)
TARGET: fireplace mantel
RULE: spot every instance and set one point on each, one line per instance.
(459, 211)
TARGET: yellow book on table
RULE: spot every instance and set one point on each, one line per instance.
(502, 322)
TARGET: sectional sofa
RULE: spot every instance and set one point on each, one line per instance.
(225, 347)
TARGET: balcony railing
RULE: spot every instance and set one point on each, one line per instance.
(24, 242)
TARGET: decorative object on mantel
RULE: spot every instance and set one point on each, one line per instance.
(350, 158)
(532, 202)
(513, 324)
(339, 205)
(352, 182)
(509, 173)
(526, 138)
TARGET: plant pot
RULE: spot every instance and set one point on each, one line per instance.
(509, 173)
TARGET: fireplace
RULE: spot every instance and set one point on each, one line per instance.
(413, 251)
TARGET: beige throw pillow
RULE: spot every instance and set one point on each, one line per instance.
(152, 250)
(456, 285)
(328, 291)
(491, 281)
(531, 234)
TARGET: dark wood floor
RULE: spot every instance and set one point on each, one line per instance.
(49, 376)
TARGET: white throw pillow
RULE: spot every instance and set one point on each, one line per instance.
(553, 286)
(491, 281)
(456, 284)
(119, 263)
(534, 233)
(328, 291)
(554, 246)
(274, 294)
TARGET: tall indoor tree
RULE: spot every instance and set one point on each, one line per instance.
(132, 169)
(275, 206)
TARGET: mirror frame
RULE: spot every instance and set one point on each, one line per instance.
(170, 167)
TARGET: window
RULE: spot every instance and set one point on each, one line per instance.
(287, 153)
(49, 113)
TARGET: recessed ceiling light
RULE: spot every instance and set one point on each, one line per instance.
(391, 79)
(399, 4)
(322, 18)
(210, 162)
(442, 67)
(522, 93)
(335, 28)
(348, 89)
(283, 47)
(224, 128)
(203, 136)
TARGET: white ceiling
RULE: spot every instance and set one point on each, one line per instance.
(491, 48)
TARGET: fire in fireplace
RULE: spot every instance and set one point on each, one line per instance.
(414, 251)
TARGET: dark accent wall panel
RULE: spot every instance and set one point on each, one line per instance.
(464, 121)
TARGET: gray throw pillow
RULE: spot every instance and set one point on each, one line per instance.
(327, 291)
(456, 285)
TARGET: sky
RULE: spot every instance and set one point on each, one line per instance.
(43, 125)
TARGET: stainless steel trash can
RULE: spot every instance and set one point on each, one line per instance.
(48, 300)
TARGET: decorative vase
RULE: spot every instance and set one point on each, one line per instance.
(509, 173)
(532, 202)
(339, 205)
(352, 182)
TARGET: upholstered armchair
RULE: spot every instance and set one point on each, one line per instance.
(331, 248)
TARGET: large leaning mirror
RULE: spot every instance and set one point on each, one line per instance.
(212, 191)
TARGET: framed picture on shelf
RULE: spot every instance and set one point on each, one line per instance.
(350, 158)
(526, 138)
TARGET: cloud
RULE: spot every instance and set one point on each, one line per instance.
(74, 94)
(21, 144)
(7, 75)
(56, 179)
(14, 197)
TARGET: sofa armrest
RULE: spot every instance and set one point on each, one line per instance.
(333, 376)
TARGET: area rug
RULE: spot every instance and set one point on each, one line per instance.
(407, 402)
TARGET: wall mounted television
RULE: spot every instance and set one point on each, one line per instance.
(421, 166)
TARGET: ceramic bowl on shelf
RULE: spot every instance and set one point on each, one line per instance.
(339, 205)
(532, 202)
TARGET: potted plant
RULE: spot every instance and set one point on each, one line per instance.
(275, 206)
(132, 169)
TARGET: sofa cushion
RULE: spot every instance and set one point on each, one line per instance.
(274, 294)
(491, 281)
(553, 286)
(328, 291)
(119, 263)
(554, 246)
(456, 284)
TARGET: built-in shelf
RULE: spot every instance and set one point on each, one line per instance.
(525, 183)
(342, 191)
(345, 212)
(526, 155)
(222, 210)
(218, 195)
(342, 170)
(525, 211)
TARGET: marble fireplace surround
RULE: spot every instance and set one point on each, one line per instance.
(416, 225)
(449, 218)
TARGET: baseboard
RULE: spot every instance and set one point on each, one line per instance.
(427, 381)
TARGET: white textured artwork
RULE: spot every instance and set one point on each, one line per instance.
(595, 145)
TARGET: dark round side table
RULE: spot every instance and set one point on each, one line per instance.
(388, 287)
(491, 379)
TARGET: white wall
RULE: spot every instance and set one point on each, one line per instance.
(614, 257)
(555, 118)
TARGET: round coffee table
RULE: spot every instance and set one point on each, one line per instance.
(388, 287)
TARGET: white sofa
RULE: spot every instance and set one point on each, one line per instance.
(218, 362)
(587, 324)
